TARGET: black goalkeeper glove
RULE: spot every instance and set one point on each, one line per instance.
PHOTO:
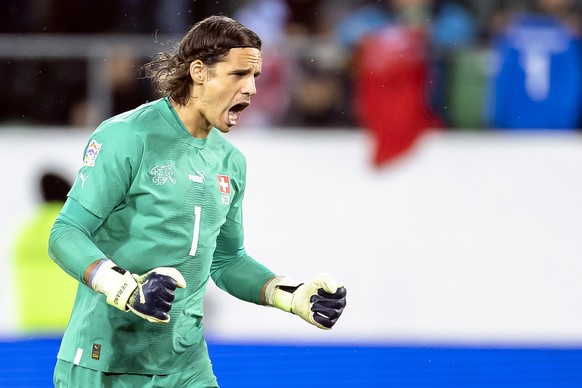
(149, 296)
(320, 302)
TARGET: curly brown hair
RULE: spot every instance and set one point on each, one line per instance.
(209, 41)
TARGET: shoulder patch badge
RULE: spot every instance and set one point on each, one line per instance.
(91, 154)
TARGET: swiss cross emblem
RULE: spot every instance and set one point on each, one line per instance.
(224, 187)
(224, 184)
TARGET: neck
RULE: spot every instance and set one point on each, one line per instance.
(193, 120)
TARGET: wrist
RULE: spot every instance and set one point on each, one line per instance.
(116, 283)
(92, 271)
(279, 292)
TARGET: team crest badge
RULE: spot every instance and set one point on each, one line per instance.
(91, 154)
(224, 188)
(162, 174)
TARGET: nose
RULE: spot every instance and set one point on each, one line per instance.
(249, 86)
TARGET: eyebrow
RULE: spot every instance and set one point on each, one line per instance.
(247, 70)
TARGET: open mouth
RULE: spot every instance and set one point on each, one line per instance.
(235, 111)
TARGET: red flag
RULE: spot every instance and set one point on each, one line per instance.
(391, 90)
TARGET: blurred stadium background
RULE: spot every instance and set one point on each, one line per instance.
(440, 180)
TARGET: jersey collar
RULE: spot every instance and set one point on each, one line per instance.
(169, 114)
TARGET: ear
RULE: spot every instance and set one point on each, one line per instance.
(198, 71)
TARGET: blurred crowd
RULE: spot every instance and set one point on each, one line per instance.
(393, 67)
(396, 64)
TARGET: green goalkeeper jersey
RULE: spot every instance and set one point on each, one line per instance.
(162, 199)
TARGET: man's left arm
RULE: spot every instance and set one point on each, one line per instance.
(320, 301)
(234, 271)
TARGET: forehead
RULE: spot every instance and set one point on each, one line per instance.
(243, 57)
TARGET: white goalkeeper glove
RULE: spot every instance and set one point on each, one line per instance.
(149, 296)
(320, 302)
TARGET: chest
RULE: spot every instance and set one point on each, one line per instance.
(184, 181)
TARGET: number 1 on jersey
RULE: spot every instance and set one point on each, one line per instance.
(196, 232)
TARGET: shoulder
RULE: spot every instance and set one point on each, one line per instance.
(130, 123)
(121, 136)
(233, 161)
(220, 143)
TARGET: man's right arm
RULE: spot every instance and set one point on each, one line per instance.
(70, 244)
(149, 296)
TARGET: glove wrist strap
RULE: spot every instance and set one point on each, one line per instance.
(116, 283)
(280, 291)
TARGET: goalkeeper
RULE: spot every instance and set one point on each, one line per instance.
(155, 211)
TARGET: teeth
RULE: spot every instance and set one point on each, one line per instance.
(233, 117)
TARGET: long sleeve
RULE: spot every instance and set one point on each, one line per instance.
(70, 244)
(233, 270)
(239, 274)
